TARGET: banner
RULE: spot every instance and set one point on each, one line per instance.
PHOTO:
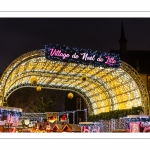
(81, 56)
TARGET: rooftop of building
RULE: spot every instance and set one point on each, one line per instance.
(138, 59)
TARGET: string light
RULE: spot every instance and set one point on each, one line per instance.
(12, 113)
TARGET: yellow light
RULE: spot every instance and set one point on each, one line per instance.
(70, 95)
(51, 121)
(38, 88)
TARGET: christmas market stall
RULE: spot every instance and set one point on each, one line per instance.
(71, 128)
(138, 123)
(9, 117)
(90, 127)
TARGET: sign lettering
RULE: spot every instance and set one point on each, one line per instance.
(82, 56)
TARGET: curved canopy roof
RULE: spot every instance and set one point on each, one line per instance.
(105, 89)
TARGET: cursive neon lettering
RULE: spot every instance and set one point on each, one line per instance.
(100, 59)
(83, 56)
(86, 57)
(58, 53)
(110, 60)
(75, 56)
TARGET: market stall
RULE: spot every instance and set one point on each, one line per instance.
(138, 123)
(9, 117)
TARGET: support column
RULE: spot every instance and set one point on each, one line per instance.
(68, 117)
(85, 110)
(73, 117)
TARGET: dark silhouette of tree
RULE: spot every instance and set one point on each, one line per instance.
(41, 102)
(34, 101)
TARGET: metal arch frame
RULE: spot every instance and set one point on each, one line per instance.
(15, 64)
(48, 86)
(143, 90)
(40, 53)
(82, 94)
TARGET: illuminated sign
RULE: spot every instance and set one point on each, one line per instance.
(81, 56)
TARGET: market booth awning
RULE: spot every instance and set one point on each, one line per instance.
(103, 90)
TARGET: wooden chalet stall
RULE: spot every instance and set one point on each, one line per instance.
(66, 128)
(57, 128)
(71, 128)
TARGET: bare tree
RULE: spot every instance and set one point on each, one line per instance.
(31, 100)
(41, 102)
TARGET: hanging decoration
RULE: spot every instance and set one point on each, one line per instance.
(84, 78)
(81, 56)
(33, 80)
(70, 95)
(38, 88)
(64, 117)
(52, 116)
(52, 119)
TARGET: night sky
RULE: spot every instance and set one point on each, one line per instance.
(21, 35)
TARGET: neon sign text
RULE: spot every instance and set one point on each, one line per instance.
(54, 52)
(82, 56)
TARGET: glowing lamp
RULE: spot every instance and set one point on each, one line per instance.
(70, 95)
(33, 80)
(52, 119)
(38, 88)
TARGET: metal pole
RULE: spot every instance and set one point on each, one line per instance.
(68, 117)
(85, 110)
(77, 109)
(74, 117)
(80, 103)
(58, 116)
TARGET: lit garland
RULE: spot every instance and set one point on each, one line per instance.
(81, 56)
(116, 114)
(94, 124)
(12, 113)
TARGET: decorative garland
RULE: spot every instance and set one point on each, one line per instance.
(116, 114)
(91, 124)
(81, 56)
(12, 113)
(137, 120)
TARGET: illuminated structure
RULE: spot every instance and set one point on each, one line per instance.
(105, 89)
(138, 59)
